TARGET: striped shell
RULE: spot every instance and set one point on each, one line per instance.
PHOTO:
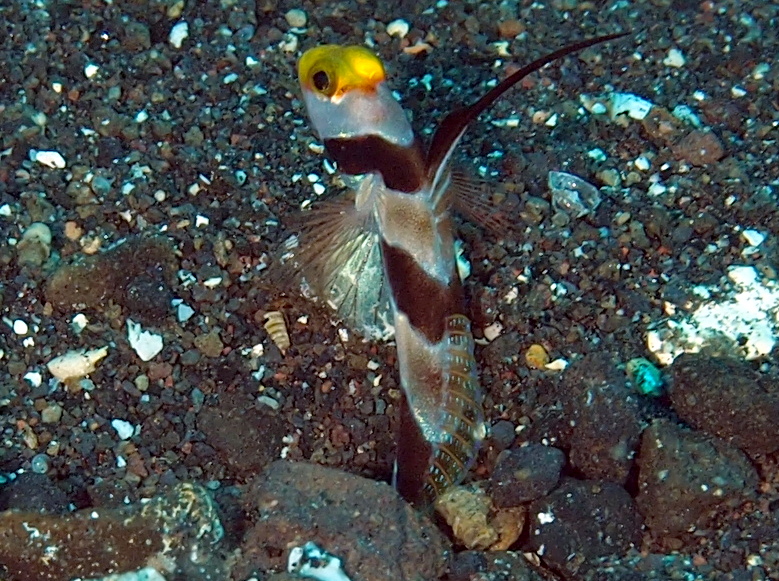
(276, 328)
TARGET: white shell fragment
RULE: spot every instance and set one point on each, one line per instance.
(398, 28)
(35, 246)
(51, 159)
(178, 34)
(674, 59)
(741, 319)
(572, 195)
(76, 364)
(123, 428)
(315, 563)
(146, 344)
(629, 104)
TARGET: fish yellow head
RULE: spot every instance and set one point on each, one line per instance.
(332, 70)
(347, 97)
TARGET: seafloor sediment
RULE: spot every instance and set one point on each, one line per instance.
(165, 148)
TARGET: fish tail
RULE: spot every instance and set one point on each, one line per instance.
(461, 428)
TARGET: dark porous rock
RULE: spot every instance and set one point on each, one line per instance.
(181, 526)
(723, 397)
(246, 437)
(499, 565)
(35, 493)
(502, 434)
(604, 414)
(374, 532)
(580, 522)
(685, 475)
(525, 474)
(148, 298)
(137, 273)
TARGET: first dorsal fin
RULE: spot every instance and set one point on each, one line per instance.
(454, 125)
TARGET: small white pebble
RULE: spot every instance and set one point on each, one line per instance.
(184, 312)
(212, 282)
(201, 221)
(146, 344)
(289, 44)
(76, 364)
(557, 365)
(50, 158)
(79, 323)
(5, 211)
(123, 428)
(91, 70)
(674, 59)
(753, 237)
(319, 189)
(33, 378)
(296, 18)
(398, 28)
(642, 163)
(656, 189)
(178, 33)
(737, 91)
(493, 331)
(268, 401)
(20, 327)
(760, 71)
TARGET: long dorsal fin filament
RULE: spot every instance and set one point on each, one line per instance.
(454, 125)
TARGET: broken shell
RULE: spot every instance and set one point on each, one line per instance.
(277, 330)
(466, 511)
(35, 246)
(75, 364)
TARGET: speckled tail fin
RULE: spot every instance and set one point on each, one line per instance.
(461, 424)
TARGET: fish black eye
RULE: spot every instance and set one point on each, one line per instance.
(321, 80)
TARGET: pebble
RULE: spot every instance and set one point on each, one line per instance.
(296, 18)
(525, 474)
(398, 28)
(35, 246)
(190, 357)
(537, 357)
(51, 414)
(629, 104)
(20, 327)
(674, 59)
(178, 34)
(753, 237)
(146, 344)
(40, 464)
(699, 148)
(209, 344)
(76, 364)
(510, 28)
(52, 159)
(123, 428)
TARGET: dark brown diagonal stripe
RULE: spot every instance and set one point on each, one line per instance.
(403, 168)
(426, 302)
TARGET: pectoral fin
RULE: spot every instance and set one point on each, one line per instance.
(339, 256)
